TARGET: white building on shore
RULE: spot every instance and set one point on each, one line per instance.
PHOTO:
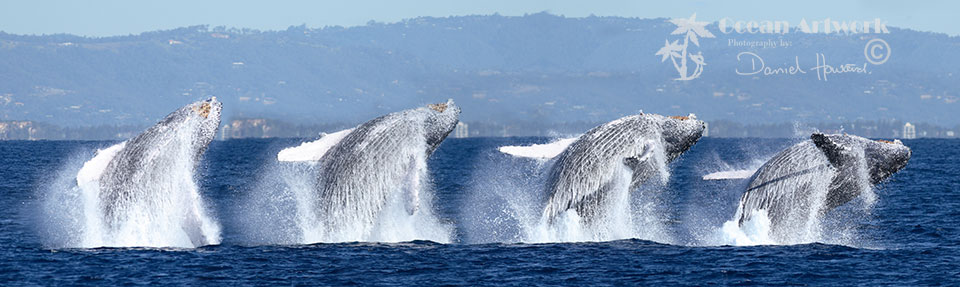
(461, 131)
(909, 131)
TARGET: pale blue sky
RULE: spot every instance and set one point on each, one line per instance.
(116, 17)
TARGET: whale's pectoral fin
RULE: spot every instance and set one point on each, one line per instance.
(831, 149)
(412, 185)
(193, 228)
(841, 191)
(539, 151)
(590, 207)
(313, 151)
(636, 162)
(730, 174)
(632, 162)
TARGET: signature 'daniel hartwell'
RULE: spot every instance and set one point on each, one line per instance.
(877, 52)
(691, 29)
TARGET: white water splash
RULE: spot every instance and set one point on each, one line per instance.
(805, 223)
(615, 222)
(755, 231)
(168, 211)
(393, 223)
(508, 205)
(285, 206)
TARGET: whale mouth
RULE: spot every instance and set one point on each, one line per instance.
(440, 107)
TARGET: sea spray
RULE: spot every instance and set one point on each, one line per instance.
(504, 198)
(75, 215)
(505, 203)
(801, 210)
(370, 183)
(283, 209)
(140, 192)
(66, 216)
(279, 205)
(589, 182)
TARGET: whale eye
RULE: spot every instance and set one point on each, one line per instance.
(438, 107)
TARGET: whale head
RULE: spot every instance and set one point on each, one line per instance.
(201, 119)
(883, 158)
(680, 133)
(441, 119)
(140, 168)
(207, 115)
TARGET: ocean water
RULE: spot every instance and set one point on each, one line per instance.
(908, 235)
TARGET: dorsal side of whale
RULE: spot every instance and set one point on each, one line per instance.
(581, 174)
(842, 164)
(381, 156)
(143, 160)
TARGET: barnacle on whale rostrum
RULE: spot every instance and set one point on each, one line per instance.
(438, 107)
(203, 110)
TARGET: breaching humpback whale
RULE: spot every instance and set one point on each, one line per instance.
(584, 172)
(138, 176)
(786, 186)
(361, 168)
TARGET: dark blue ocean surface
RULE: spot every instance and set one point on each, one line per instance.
(909, 236)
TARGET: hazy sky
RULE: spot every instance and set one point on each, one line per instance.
(115, 17)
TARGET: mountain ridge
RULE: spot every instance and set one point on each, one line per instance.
(501, 69)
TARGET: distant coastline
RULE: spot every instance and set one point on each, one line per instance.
(514, 75)
(273, 128)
